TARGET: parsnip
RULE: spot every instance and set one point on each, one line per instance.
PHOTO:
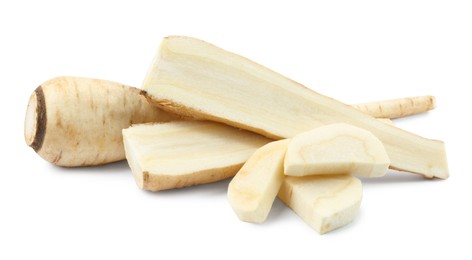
(336, 149)
(74, 121)
(396, 108)
(323, 202)
(179, 154)
(197, 79)
(252, 191)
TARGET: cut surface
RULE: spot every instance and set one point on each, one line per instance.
(178, 154)
(252, 191)
(336, 149)
(31, 119)
(197, 79)
(323, 202)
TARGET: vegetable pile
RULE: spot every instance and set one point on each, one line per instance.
(205, 114)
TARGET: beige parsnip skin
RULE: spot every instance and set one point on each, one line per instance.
(396, 108)
(73, 121)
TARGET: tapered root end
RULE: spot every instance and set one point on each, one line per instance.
(35, 120)
(432, 102)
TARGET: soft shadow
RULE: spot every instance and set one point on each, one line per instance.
(278, 210)
(210, 189)
(120, 167)
(393, 177)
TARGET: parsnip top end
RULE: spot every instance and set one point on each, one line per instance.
(35, 120)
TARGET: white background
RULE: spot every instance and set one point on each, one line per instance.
(355, 51)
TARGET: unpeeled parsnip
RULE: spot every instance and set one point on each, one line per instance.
(197, 79)
(73, 121)
(395, 108)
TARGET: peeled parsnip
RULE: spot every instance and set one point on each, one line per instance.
(323, 202)
(73, 121)
(332, 149)
(252, 191)
(336, 149)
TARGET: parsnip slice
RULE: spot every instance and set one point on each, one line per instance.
(252, 191)
(178, 154)
(323, 202)
(194, 78)
(336, 149)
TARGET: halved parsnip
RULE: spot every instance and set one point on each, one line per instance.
(323, 202)
(178, 154)
(336, 149)
(252, 191)
(197, 79)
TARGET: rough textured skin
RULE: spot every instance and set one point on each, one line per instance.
(79, 120)
(396, 108)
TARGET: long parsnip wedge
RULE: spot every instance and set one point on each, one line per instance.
(336, 149)
(252, 191)
(194, 78)
(323, 202)
(178, 154)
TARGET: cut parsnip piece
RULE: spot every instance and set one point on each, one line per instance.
(252, 191)
(323, 202)
(336, 149)
(197, 79)
(178, 154)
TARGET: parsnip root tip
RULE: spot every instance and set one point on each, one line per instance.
(432, 102)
